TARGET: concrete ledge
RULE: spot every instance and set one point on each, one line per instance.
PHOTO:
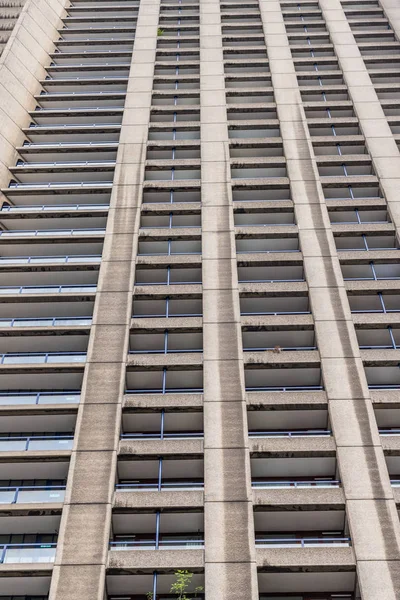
(160, 324)
(130, 561)
(284, 287)
(180, 359)
(25, 570)
(380, 358)
(128, 501)
(385, 398)
(390, 445)
(132, 448)
(163, 233)
(267, 260)
(287, 400)
(157, 401)
(396, 494)
(272, 359)
(373, 286)
(160, 261)
(275, 231)
(160, 208)
(289, 498)
(297, 559)
(360, 257)
(31, 509)
(345, 228)
(36, 456)
(162, 291)
(38, 409)
(275, 322)
(375, 320)
(291, 447)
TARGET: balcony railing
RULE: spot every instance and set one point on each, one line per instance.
(293, 280)
(48, 289)
(329, 483)
(53, 207)
(281, 312)
(166, 351)
(61, 184)
(31, 494)
(154, 545)
(50, 232)
(303, 542)
(166, 390)
(288, 388)
(305, 433)
(13, 398)
(384, 386)
(22, 444)
(393, 431)
(196, 435)
(166, 315)
(159, 487)
(27, 553)
(45, 322)
(76, 163)
(168, 282)
(281, 348)
(31, 260)
(14, 358)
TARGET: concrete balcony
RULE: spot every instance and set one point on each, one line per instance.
(294, 559)
(159, 401)
(128, 500)
(126, 561)
(308, 498)
(292, 447)
(133, 449)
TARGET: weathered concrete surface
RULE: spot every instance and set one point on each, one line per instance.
(80, 565)
(230, 568)
(359, 452)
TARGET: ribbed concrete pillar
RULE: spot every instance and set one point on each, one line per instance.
(379, 139)
(370, 509)
(82, 549)
(230, 568)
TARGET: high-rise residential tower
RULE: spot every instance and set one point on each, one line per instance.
(200, 299)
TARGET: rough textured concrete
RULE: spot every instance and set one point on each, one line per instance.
(94, 461)
(229, 529)
(9, 13)
(21, 67)
(349, 403)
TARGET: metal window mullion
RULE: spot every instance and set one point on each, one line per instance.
(380, 296)
(166, 341)
(392, 338)
(371, 264)
(162, 424)
(159, 483)
(158, 515)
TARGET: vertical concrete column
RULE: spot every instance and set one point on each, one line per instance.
(22, 65)
(379, 139)
(82, 549)
(230, 568)
(370, 508)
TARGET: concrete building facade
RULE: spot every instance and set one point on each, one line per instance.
(200, 299)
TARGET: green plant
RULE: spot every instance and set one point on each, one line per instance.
(160, 32)
(183, 579)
